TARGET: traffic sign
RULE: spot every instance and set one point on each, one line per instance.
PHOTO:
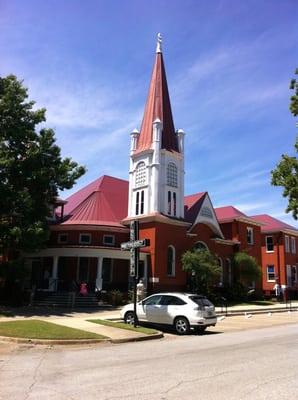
(135, 244)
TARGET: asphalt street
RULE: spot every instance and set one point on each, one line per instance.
(251, 364)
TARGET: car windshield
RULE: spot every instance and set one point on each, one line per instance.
(201, 301)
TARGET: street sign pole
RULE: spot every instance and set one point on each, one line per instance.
(135, 226)
(134, 246)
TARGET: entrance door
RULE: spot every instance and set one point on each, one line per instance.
(83, 270)
(107, 266)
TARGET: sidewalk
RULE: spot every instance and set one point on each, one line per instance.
(257, 309)
(78, 319)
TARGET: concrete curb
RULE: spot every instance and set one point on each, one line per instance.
(232, 313)
(48, 342)
(158, 335)
(51, 341)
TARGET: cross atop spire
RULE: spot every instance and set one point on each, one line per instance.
(159, 42)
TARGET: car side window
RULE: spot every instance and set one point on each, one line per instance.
(154, 300)
(172, 301)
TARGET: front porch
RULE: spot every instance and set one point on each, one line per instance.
(65, 269)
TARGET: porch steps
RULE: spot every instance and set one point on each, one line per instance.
(67, 300)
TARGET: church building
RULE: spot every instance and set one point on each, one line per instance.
(89, 226)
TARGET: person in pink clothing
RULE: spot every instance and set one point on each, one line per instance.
(83, 289)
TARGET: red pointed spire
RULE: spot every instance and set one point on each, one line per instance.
(158, 106)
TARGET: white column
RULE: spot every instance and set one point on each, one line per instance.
(53, 280)
(98, 283)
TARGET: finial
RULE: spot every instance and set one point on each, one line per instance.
(159, 41)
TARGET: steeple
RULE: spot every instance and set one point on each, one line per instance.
(158, 107)
(156, 169)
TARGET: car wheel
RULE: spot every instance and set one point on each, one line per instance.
(201, 329)
(129, 317)
(181, 326)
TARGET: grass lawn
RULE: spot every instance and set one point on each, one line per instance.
(122, 325)
(35, 329)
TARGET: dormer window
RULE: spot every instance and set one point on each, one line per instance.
(108, 240)
(62, 238)
(172, 175)
(140, 179)
(85, 238)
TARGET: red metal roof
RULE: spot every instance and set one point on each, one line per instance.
(228, 213)
(102, 202)
(192, 205)
(158, 106)
(271, 224)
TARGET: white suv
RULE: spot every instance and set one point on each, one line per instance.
(181, 310)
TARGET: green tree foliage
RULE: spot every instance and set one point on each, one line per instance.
(247, 268)
(31, 171)
(286, 172)
(294, 98)
(203, 269)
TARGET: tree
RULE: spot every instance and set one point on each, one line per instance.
(247, 268)
(294, 98)
(203, 269)
(31, 171)
(286, 172)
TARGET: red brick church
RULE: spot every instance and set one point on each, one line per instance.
(90, 225)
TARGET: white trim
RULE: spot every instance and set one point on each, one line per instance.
(267, 274)
(84, 252)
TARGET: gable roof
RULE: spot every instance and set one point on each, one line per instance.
(102, 202)
(158, 106)
(228, 213)
(271, 224)
(198, 209)
(192, 205)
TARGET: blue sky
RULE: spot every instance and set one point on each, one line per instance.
(228, 63)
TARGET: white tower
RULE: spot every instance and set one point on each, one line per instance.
(156, 175)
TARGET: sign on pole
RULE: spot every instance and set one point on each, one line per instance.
(134, 246)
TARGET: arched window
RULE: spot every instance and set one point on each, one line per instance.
(171, 261)
(172, 175)
(174, 204)
(140, 177)
(201, 246)
(140, 202)
(137, 202)
(169, 202)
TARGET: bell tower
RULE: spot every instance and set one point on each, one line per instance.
(156, 174)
